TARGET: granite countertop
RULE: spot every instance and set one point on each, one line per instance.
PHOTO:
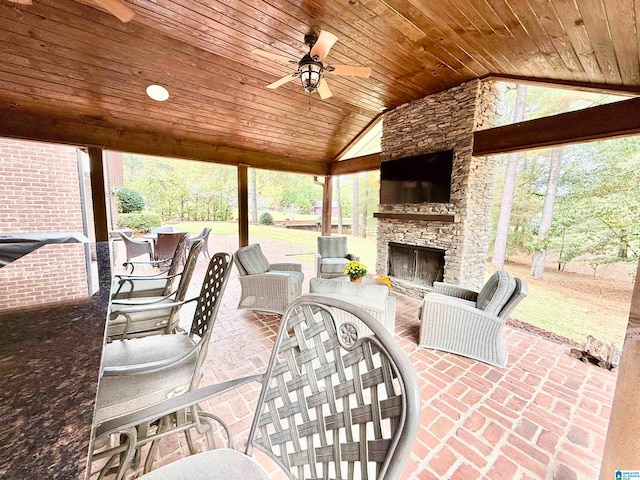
(49, 364)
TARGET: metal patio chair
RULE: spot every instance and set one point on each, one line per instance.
(156, 284)
(334, 403)
(142, 372)
(141, 316)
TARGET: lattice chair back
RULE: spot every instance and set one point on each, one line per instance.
(336, 403)
(213, 286)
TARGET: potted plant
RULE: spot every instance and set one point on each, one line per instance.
(355, 270)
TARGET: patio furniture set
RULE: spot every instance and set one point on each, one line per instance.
(313, 417)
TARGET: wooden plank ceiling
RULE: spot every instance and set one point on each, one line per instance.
(71, 72)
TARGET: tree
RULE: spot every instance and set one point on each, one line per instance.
(355, 208)
(129, 200)
(339, 197)
(502, 233)
(539, 256)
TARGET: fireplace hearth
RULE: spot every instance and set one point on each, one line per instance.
(415, 264)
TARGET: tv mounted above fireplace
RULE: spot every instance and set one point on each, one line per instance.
(422, 178)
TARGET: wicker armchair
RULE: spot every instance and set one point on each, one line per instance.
(335, 403)
(266, 287)
(469, 323)
(141, 372)
(135, 248)
(332, 256)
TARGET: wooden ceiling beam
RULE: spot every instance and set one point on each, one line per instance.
(612, 120)
(567, 84)
(15, 123)
(355, 165)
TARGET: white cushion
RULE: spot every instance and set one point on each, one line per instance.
(219, 464)
(122, 394)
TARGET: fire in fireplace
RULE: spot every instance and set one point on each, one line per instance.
(420, 265)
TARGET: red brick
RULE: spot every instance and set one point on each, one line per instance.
(502, 469)
(467, 453)
(564, 473)
(526, 429)
(493, 433)
(547, 441)
(578, 436)
(475, 422)
(442, 461)
(465, 472)
(441, 427)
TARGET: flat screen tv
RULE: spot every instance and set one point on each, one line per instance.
(420, 179)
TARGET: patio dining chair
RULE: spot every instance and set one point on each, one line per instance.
(142, 372)
(151, 315)
(334, 404)
(166, 245)
(203, 235)
(148, 285)
(162, 229)
(135, 248)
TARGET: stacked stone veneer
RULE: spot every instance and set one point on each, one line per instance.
(444, 121)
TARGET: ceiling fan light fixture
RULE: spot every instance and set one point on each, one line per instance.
(157, 93)
(310, 73)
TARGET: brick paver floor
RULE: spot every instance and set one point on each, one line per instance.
(544, 416)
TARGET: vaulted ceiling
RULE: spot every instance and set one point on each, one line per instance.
(73, 73)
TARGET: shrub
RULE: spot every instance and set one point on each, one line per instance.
(139, 221)
(129, 201)
(266, 219)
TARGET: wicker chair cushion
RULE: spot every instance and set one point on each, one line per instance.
(496, 292)
(333, 247)
(253, 260)
(121, 394)
(219, 464)
(333, 265)
(295, 279)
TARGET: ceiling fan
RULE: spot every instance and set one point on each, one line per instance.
(117, 8)
(311, 67)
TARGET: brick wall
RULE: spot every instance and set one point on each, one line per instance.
(444, 121)
(39, 192)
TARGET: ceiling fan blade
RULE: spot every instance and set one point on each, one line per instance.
(323, 89)
(21, 2)
(323, 44)
(349, 70)
(282, 81)
(273, 56)
(115, 7)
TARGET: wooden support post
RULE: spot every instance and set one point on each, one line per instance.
(622, 448)
(98, 194)
(327, 193)
(243, 206)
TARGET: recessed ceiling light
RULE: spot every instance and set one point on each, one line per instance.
(158, 92)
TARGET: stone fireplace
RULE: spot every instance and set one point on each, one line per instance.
(458, 230)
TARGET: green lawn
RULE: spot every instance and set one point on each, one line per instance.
(557, 303)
